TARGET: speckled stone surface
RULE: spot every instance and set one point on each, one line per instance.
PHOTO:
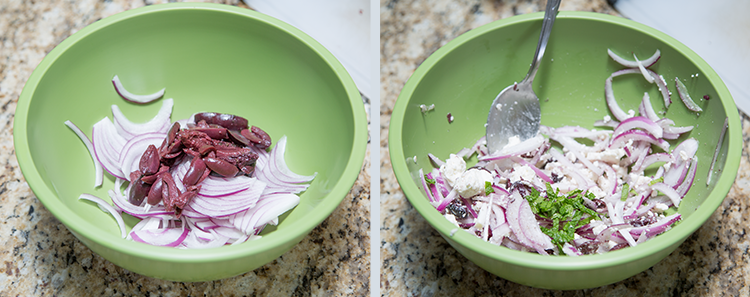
(40, 257)
(418, 262)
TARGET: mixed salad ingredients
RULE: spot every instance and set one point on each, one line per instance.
(201, 182)
(572, 190)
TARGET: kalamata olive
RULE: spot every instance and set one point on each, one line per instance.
(215, 133)
(149, 163)
(266, 139)
(173, 132)
(154, 195)
(138, 191)
(221, 167)
(237, 137)
(228, 121)
(194, 172)
(251, 137)
(169, 190)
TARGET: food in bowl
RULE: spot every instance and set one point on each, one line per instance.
(210, 182)
(555, 195)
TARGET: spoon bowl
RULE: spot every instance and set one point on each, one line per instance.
(515, 111)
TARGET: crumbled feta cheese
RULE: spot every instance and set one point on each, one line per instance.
(499, 107)
(453, 232)
(472, 182)
(522, 172)
(513, 140)
(611, 244)
(611, 156)
(426, 108)
(453, 168)
(631, 113)
(660, 207)
(684, 156)
(607, 118)
(451, 218)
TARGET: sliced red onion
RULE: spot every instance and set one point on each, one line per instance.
(684, 187)
(662, 84)
(682, 92)
(111, 210)
(121, 202)
(646, 109)
(639, 122)
(634, 64)
(637, 135)
(653, 158)
(718, 148)
(159, 123)
(656, 228)
(229, 204)
(425, 186)
(669, 192)
(127, 95)
(646, 75)
(170, 236)
(98, 172)
(609, 94)
(266, 209)
(107, 146)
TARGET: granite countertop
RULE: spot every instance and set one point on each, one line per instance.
(40, 257)
(417, 261)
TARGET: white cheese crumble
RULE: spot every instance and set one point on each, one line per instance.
(522, 172)
(472, 182)
(453, 168)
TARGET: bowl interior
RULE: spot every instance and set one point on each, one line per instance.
(463, 78)
(209, 58)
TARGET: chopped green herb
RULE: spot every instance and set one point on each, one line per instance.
(625, 192)
(655, 181)
(488, 188)
(430, 181)
(567, 213)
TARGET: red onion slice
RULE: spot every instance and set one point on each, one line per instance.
(634, 64)
(682, 92)
(127, 95)
(639, 122)
(98, 172)
(267, 208)
(107, 207)
(669, 191)
(159, 123)
(637, 135)
(718, 148)
(169, 236)
(646, 75)
(229, 204)
(107, 146)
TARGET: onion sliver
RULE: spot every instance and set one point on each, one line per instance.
(106, 206)
(646, 75)
(98, 175)
(634, 64)
(159, 123)
(108, 145)
(127, 95)
(162, 236)
(639, 122)
(682, 92)
(268, 208)
(718, 148)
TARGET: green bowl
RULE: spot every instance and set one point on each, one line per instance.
(465, 75)
(210, 58)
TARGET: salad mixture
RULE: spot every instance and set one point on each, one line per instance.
(572, 190)
(201, 182)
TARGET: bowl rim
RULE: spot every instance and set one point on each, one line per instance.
(532, 260)
(267, 243)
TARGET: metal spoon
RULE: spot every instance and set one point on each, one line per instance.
(515, 111)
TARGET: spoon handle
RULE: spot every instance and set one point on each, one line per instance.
(549, 18)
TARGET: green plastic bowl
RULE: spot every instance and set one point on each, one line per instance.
(465, 75)
(210, 58)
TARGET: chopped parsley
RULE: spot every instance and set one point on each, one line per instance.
(625, 190)
(488, 188)
(567, 213)
(430, 181)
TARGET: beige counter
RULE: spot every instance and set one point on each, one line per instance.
(418, 262)
(40, 257)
